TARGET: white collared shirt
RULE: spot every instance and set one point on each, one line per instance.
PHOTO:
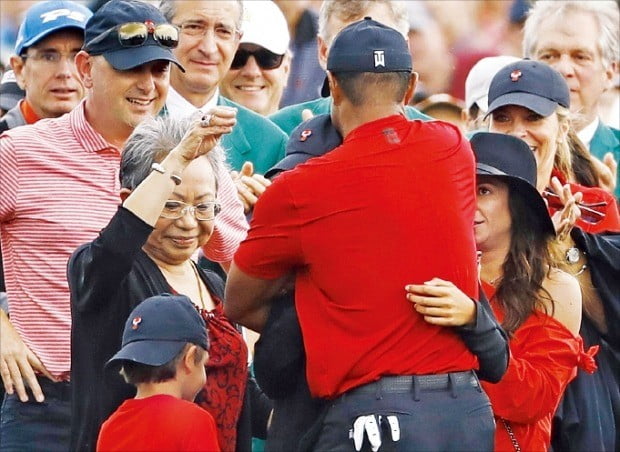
(587, 133)
(179, 107)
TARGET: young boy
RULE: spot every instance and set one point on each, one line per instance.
(164, 351)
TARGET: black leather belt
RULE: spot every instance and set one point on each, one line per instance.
(407, 383)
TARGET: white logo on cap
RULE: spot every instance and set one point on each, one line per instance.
(379, 58)
(63, 12)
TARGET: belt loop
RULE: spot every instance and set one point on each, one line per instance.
(452, 385)
(415, 388)
(478, 385)
(378, 389)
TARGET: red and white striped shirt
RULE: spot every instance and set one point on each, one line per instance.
(59, 188)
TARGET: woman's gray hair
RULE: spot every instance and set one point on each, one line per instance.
(168, 10)
(605, 13)
(151, 142)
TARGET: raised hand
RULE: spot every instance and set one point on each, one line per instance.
(564, 220)
(205, 132)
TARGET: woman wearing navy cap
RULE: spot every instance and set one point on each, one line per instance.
(530, 100)
(539, 305)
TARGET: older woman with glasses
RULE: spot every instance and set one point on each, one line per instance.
(530, 100)
(169, 193)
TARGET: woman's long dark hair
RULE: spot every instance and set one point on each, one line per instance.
(527, 264)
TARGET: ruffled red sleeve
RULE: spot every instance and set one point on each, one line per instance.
(544, 359)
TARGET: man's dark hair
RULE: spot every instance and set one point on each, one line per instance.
(135, 373)
(361, 88)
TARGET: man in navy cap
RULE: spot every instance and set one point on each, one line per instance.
(391, 378)
(59, 188)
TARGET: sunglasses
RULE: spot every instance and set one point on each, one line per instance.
(589, 212)
(264, 58)
(135, 34)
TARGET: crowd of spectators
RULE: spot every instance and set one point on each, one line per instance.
(310, 225)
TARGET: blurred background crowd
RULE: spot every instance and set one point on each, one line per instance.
(446, 38)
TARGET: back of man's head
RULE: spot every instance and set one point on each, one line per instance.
(371, 63)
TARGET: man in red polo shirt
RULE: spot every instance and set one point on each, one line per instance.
(398, 193)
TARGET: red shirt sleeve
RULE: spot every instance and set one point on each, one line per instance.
(544, 357)
(273, 244)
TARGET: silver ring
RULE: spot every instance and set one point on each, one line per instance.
(206, 120)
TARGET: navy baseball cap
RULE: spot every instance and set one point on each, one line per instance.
(45, 18)
(369, 46)
(530, 84)
(101, 38)
(511, 160)
(312, 138)
(157, 330)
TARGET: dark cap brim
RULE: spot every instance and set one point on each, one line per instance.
(287, 163)
(152, 353)
(538, 104)
(131, 57)
(533, 199)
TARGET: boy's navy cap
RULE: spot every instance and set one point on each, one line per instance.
(530, 84)
(158, 329)
(45, 18)
(369, 46)
(119, 12)
(511, 159)
(311, 138)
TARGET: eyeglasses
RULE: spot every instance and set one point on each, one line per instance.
(50, 57)
(589, 212)
(223, 32)
(205, 211)
(135, 34)
(264, 58)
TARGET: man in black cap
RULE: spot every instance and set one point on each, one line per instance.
(390, 377)
(58, 190)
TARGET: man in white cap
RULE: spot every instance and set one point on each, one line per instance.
(260, 67)
(477, 90)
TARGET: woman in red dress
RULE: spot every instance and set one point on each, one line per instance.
(538, 305)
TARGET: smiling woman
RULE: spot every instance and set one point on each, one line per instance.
(169, 188)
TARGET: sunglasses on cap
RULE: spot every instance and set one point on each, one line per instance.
(264, 58)
(135, 34)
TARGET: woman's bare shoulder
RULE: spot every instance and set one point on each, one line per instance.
(566, 294)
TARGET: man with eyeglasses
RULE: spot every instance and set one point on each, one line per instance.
(50, 36)
(259, 70)
(59, 188)
(210, 31)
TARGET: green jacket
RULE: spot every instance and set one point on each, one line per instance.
(254, 138)
(607, 139)
(290, 117)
